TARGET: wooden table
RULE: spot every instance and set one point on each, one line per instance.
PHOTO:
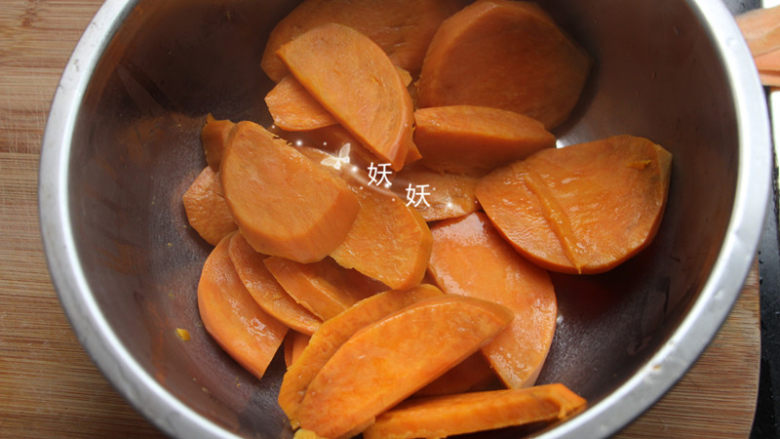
(50, 388)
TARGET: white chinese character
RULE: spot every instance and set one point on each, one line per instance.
(379, 173)
(416, 194)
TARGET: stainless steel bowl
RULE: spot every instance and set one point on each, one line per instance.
(121, 145)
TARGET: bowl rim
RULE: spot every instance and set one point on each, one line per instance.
(609, 415)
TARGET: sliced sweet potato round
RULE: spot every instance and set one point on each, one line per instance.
(294, 109)
(214, 137)
(505, 54)
(584, 208)
(284, 204)
(206, 209)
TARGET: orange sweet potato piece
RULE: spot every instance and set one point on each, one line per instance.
(504, 54)
(451, 195)
(233, 318)
(294, 344)
(334, 332)
(770, 78)
(584, 208)
(214, 136)
(323, 287)
(472, 412)
(470, 258)
(761, 29)
(294, 109)
(389, 241)
(768, 62)
(471, 374)
(389, 360)
(470, 139)
(402, 28)
(266, 290)
(380, 115)
(284, 204)
(206, 209)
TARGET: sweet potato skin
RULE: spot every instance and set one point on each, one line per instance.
(381, 115)
(284, 204)
(206, 209)
(232, 317)
(479, 411)
(584, 208)
(334, 332)
(389, 358)
(470, 258)
(504, 54)
(266, 290)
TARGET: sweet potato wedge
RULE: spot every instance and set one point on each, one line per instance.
(380, 115)
(334, 332)
(233, 318)
(504, 54)
(472, 412)
(294, 344)
(469, 139)
(389, 241)
(324, 288)
(214, 137)
(266, 290)
(389, 360)
(206, 209)
(284, 204)
(451, 195)
(402, 28)
(761, 29)
(294, 109)
(584, 208)
(473, 373)
(470, 258)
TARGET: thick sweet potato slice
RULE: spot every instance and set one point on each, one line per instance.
(214, 138)
(584, 208)
(389, 242)
(323, 287)
(294, 109)
(768, 62)
(504, 54)
(294, 344)
(334, 332)
(469, 139)
(284, 204)
(470, 258)
(266, 290)
(206, 209)
(474, 373)
(380, 114)
(402, 28)
(451, 195)
(770, 79)
(233, 318)
(389, 360)
(471, 412)
(761, 29)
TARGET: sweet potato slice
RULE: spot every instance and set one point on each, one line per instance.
(768, 62)
(284, 204)
(380, 114)
(294, 109)
(233, 318)
(474, 373)
(266, 290)
(470, 258)
(504, 54)
(472, 412)
(451, 195)
(294, 344)
(214, 137)
(402, 28)
(770, 78)
(389, 242)
(761, 29)
(323, 287)
(584, 208)
(469, 139)
(206, 209)
(334, 332)
(389, 360)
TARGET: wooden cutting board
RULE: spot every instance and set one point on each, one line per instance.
(50, 388)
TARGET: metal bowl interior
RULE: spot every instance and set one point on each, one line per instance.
(122, 144)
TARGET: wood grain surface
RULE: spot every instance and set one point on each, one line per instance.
(49, 387)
